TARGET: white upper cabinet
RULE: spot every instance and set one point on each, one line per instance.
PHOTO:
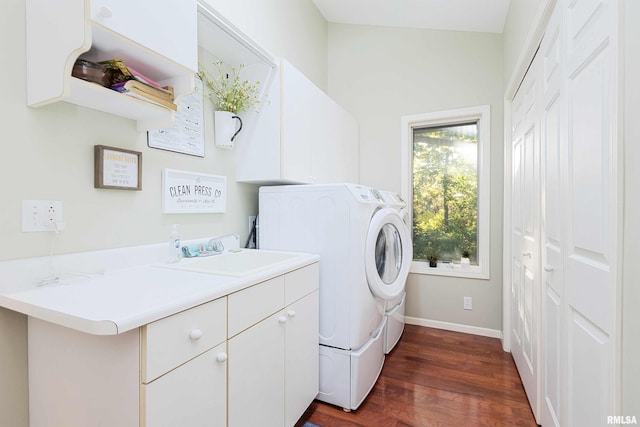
(337, 153)
(300, 135)
(168, 27)
(302, 124)
(157, 39)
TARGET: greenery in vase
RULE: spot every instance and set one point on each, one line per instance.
(432, 253)
(230, 93)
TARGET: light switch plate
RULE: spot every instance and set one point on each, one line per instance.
(41, 215)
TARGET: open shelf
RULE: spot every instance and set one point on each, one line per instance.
(58, 33)
(96, 97)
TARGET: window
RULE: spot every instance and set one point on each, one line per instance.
(445, 174)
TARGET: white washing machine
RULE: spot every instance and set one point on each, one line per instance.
(394, 308)
(342, 223)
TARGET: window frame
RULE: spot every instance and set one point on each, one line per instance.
(482, 116)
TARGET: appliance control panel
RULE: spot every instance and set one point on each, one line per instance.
(366, 194)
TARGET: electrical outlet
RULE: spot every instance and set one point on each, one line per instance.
(468, 303)
(41, 215)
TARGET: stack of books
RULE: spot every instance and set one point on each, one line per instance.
(140, 86)
(157, 95)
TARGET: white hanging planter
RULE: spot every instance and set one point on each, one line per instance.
(227, 126)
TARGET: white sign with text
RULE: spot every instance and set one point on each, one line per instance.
(191, 192)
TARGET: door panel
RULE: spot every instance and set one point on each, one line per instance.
(525, 237)
(529, 212)
(552, 366)
(298, 96)
(301, 357)
(516, 308)
(256, 375)
(123, 17)
(517, 192)
(590, 260)
(528, 321)
(589, 362)
(590, 195)
(553, 155)
(194, 394)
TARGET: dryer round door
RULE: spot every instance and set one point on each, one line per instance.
(388, 254)
(406, 219)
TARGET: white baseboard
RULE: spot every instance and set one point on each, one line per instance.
(456, 327)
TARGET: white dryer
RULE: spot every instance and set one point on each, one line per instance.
(342, 223)
(395, 307)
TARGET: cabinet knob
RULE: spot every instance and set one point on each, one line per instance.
(105, 12)
(548, 268)
(195, 334)
(222, 357)
(282, 319)
(291, 313)
(526, 253)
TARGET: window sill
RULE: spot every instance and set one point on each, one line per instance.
(448, 269)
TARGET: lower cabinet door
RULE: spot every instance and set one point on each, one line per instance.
(256, 374)
(194, 394)
(302, 357)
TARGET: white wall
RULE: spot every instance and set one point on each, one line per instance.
(47, 153)
(380, 74)
(293, 29)
(631, 267)
(519, 23)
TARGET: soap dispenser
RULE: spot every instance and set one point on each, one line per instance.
(175, 249)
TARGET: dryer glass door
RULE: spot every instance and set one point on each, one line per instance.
(388, 254)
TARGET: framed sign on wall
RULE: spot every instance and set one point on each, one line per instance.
(191, 192)
(117, 168)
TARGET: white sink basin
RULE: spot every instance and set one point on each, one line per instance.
(240, 263)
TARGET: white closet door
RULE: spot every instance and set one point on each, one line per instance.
(592, 206)
(525, 236)
(553, 157)
(566, 313)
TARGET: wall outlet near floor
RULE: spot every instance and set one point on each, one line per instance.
(468, 303)
(42, 215)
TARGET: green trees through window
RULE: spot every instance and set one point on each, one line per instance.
(445, 192)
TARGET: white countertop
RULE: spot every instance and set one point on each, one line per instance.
(120, 300)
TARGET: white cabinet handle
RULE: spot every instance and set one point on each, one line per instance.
(105, 12)
(195, 334)
(282, 319)
(222, 357)
(291, 313)
(526, 254)
(548, 268)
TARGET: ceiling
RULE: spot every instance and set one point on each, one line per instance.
(486, 16)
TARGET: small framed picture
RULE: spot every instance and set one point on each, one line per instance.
(117, 168)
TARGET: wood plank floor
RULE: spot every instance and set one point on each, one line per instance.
(438, 378)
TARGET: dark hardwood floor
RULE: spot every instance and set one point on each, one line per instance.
(438, 378)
